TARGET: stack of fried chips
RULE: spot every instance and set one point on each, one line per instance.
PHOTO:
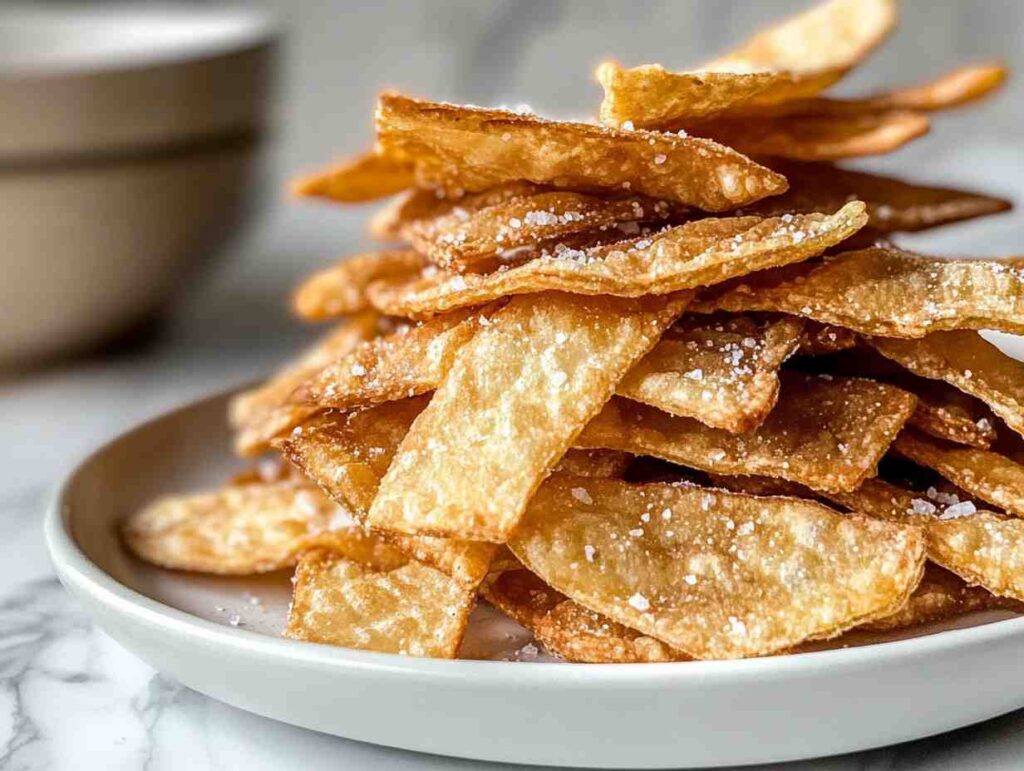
(651, 398)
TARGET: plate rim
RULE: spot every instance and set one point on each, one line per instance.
(77, 572)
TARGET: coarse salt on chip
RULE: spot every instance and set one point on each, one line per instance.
(887, 292)
(826, 433)
(726, 575)
(366, 177)
(970, 363)
(473, 148)
(340, 290)
(721, 370)
(260, 414)
(698, 253)
(347, 454)
(412, 610)
(521, 389)
(246, 529)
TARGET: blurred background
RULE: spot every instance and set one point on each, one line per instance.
(302, 78)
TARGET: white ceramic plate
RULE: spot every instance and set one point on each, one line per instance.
(646, 716)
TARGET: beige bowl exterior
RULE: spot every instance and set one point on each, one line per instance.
(88, 250)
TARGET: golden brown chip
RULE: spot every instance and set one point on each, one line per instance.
(340, 290)
(888, 292)
(347, 454)
(822, 339)
(988, 475)
(969, 362)
(594, 463)
(413, 609)
(940, 595)
(246, 529)
(946, 413)
(411, 361)
(260, 414)
(471, 148)
(956, 88)
(517, 395)
(364, 178)
(721, 370)
(462, 240)
(892, 205)
(698, 253)
(826, 40)
(650, 96)
(827, 433)
(715, 574)
(816, 137)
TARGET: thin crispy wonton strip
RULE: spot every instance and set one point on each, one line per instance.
(472, 148)
(413, 610)
(699, 253)
(715, 574)
(888, 292)
(340, 290)
(826, 433)
(969, 362)
(522, 388)
(366, 177)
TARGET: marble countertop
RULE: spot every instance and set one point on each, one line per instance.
(71, 698)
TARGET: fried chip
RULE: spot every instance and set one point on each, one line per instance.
(522, 388)
(721, 370)
(462, 240)
(816, 137)
(711, 573)
(347, 454)
(247, 529)
(970, 363)
(408, 362)
(413, 610)
(827, 433)
(988, 475)
(946, 413)
(892, 204)
(888, 292)
(260, 414)
(472, 148)
(366, 177)
(566, 629)
(340, 290)
(698, 253)
(826, 40)
(940, 595)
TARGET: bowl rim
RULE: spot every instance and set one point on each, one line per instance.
(84, 577)
(229, 29)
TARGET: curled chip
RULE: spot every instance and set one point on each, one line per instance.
(340, 290)
(348, 454)
(567, 629)
(651, 97)
(698, 253)
(522, 388)
(462, 240)
(826, 433)
(888, 292)
(940, 595)
(262, 413)
(956, 88)
(715, 574)
(988, 475)
(817, 137)
(246, 529)
(826, 40)
(721, 370)
(892, 205)
(363, 178)
(969, 362)
(413, 610)
(411, 361)
(472, 148)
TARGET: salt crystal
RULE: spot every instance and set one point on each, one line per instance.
(921, 506)
(581, 495)
(984, 424)
(588, 552)
(737, 626)
(558, 378)
(957, 510)
(694, 374)
(745, 529)
(666, 514)
(660, 158)
(639, 602)
(235, 620)
(627, 126)
(691, 579)
(636, 532)
(358, 370)
(645, 517)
